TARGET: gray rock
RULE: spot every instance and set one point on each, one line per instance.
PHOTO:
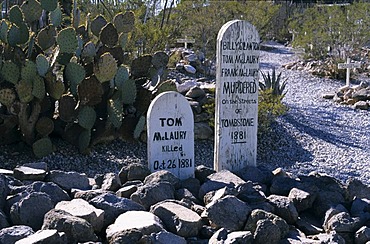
(192, 184)
(328, 95)
(266, 232)
(248, 193)
(284, 208)
(356, 188)
(361, 208)
(127, 237)
(15, 233)
(218, 194)
(69, 180)
(184, 193)
(219, 236)
(177, 218)
(44, 237)
(144, 222)
(4, 190)
(134, 171)
(326, 199)
(362, 95)
(82, 209)
(55, 193)
(150, 194)
(362, 236)
(126, 191)
(164, 237)
(195, 92)
(111, 182)
(219, 180)
(75, 228)
(343, 222)
(202, 131)
(113, 206)
(363, 105)
(195, 106)
(31, 171)
(331, 212)
(228, 212)
(308, 225)
(31, 209)
(282, 185)
(260, 215)
(331, 237)
(162, 176)
(256, 175)
(239, 237)
(89, 194)
(302, 199)
(3, 220)
(202, 172)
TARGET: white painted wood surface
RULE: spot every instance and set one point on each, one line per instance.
(348, 65)
(236, 116)
(170, 130)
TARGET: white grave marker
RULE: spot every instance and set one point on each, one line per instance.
(236, 96)
(171, 135)
(348, 65)
(186, 41)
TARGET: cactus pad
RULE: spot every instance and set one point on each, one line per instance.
(164, 86)
(97, 25)
(4, 31)
(7, 96)
(10, 72)
(42, 65)
(90, 91)
(49, 5)
(67, 40)
(56, 17)
(42, 147)
(160, 60)
(24, 34)
(13, 36)
(55, 89)
(109, 35)
(128, 92)
(74, 73)
(32, 10)
(139, 128)
(38, 89)
(46, 37)
(106, 68)
(89, 52)
(15, 15)
(66, 108)
(86, 117)
(64, 58)
(44, 126)
(124, 23)
(28, 71)
(122, 40)
(115, 110)
(24, 91)
(122, 75)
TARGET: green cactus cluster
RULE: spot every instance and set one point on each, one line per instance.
(72, 80)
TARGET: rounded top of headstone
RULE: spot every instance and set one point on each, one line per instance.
(238, 30)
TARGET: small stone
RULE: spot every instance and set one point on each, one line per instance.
(195, 92)
(284, 208)
(362, 235)
(126, 191)
(15, 233)
(111, 182)
(328, 95)
(32, 171)
(362, 105)
(69, 180)
(44, 236)
(190, 69)
(148, 195)
(202, 131)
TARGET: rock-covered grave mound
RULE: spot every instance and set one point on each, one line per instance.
(38, 205)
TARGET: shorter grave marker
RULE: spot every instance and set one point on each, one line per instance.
(348, 65)
(186, 41)
(171, 135)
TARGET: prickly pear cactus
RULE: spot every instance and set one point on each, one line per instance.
(32, 10)
(49, 5)
(106, 68)
(86, 117)
(139, 128)
(24, 91)
(124, 22)
(15, 15)
(56, 17)
(42, 65)
(66, 108)
(84, 141)
(109, 35)
(10, 72)
(28, 71)
(46, 37)
(128, 92)
(97, 25)
(42, 147)
(7, 96)
(90, 91)
(44, 126)
(38, 89)
(122, 75)
(4, 31)
(67, 40)
(74, 73)
(115, 110)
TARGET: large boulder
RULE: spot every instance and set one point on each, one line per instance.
(55, 193)
(177, 218)
(144, 222)
(31, 209)
(134, 171)
(113, 206)
(150, 194)
(256, 175)
(302, 199)
(266, 232)
(228, 212)
(82, 209)
(284, 208)
(14, 233)
(69, 180)
(75, 228)
(31, 171)
(162, 176)
(166, 237)
(44, 236)
(111, 182)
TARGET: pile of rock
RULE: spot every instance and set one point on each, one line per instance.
(136, 206)
(358, 96)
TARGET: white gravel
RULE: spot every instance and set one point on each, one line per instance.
(314, 135)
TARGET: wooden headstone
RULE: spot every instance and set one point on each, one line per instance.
(236, 96)
(348, 65)
(170, 133)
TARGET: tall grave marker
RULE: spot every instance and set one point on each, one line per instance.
(236, 96)
(171, 135)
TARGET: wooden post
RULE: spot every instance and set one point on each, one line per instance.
(237, 81)
(185, 40)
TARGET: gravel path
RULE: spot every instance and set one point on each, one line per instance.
(314, 135)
